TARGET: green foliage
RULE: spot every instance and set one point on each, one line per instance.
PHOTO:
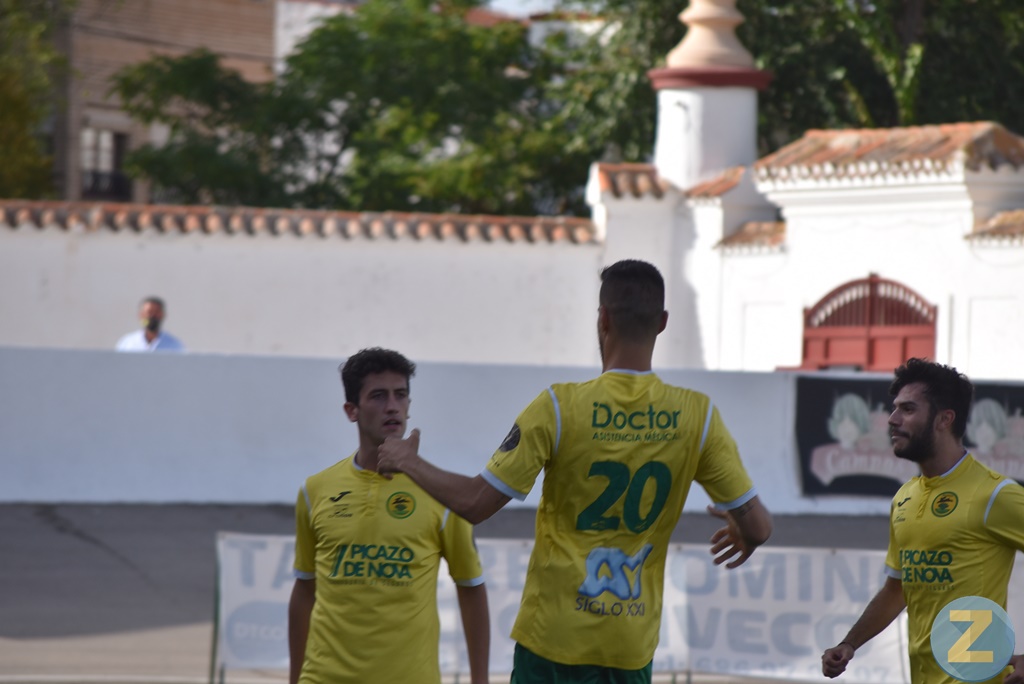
(397, 106)
(836, 63)
(29, 65)
(224, 131)
(402, 105)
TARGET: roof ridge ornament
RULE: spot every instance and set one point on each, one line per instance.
(710, 40)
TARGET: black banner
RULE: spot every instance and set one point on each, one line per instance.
(842, 435)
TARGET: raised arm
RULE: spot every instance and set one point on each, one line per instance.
(746, 527)
(300, 607)
(476, 624)
(887, 604)
(472, 498)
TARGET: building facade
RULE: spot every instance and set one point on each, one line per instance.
(91, 131)
(848, 249)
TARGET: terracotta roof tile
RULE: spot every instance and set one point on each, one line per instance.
(172, 219)
(913, 150)
(636, 180)
(756, 235)
(718, 186)
(1006, 226)
(479, 16)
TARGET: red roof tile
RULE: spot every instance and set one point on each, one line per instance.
(915, 149)
(479, 16)
(756, 234)
(135, 218)
(636, 180)
(718, 186)
(1005, 226)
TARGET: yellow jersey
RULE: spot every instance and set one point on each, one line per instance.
(619, 454)
(374, 546)
(951, 536)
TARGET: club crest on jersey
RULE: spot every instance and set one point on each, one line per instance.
(511, 440)
(944, 504)
(401, 505)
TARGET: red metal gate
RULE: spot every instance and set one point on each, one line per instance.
(871, 324)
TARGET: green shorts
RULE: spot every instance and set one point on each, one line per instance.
(530, 668)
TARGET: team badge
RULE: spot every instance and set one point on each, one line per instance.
(511, 440)
(401, 505)
(944, 504)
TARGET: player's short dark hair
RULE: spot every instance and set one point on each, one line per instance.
(945, 388)
(633, 294)
(154, 300)
(367, 362)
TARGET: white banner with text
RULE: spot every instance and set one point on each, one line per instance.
(770, 618)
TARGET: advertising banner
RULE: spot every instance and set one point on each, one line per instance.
(774, 615)
(771, 618)
(842, 435)
(254, 583)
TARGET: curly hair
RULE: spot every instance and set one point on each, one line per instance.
(945, 388)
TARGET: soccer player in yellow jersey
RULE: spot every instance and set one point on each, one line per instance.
(363, 608)
(953, 530)
(619, 454)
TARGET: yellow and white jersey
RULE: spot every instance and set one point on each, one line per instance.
(619, 454)
(374, 546)
(952, 536)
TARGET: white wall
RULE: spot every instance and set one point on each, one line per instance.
(103, 427)
(478, 302)
(917, 239)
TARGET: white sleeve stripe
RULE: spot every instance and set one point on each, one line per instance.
(475, 582)
(303, 575)
(736, 503)
(558, 418)
(992, 499)
(893, 572)
(493, 480)
(444, 519)
(707, 425)
(305, 494)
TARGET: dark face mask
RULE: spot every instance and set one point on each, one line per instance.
(152, 324)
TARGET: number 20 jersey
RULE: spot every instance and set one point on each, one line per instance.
(619, 454)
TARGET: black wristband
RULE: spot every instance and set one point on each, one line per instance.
(848, 644)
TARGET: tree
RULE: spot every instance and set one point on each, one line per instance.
(403, 105)
(836, 63)
(400, 105)
(228, 142)
(29, 67)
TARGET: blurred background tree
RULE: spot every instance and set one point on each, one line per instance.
(30, 66)
(403, 105)
(837, 64)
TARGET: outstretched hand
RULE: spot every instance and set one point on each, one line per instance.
(727, 542)
(835, 660)
(395, 454)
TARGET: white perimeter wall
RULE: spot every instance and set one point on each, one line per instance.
(103, 427)
(476, 302)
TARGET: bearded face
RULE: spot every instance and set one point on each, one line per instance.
(914, 446)
(912, 424)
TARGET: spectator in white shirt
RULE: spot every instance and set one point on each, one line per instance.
(149, 338)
